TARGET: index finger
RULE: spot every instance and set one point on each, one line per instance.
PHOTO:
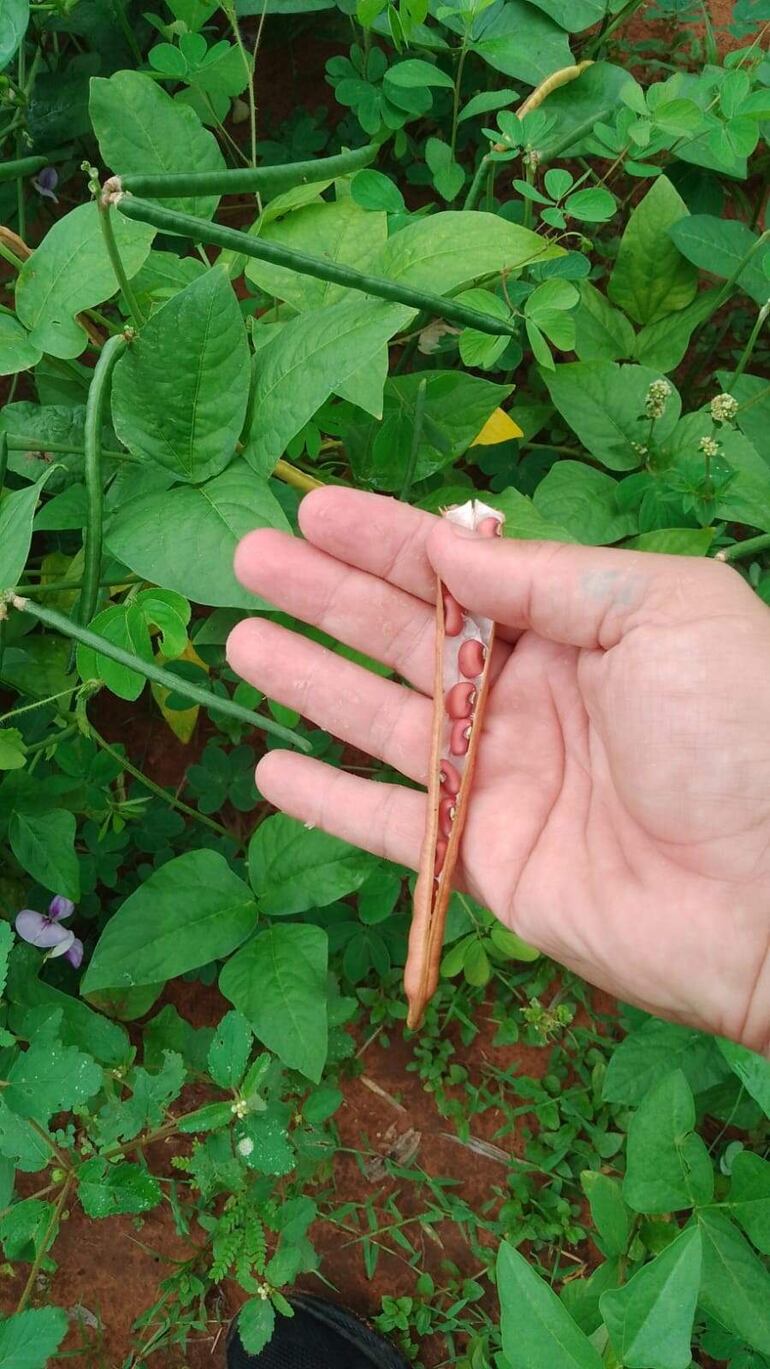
(375, 533)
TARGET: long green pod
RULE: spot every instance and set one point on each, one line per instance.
(61, 623)
(20, 167)
(200, 230)
(92, 465)
(267, 180)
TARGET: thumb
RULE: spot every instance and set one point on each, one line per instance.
(581, 596)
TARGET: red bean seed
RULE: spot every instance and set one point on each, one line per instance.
(453, 615)
(460, 736)
(490, 527)
(470, 658)
(446, 816)
(449, 778)
(460, 699)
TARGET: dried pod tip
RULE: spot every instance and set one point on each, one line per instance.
(453, 615)
(440, 856)
(470, 658)
(490, 527)
(460, 736)
(460, 699)
(449, 778)
(446, 816)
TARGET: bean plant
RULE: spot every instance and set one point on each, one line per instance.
(519, 253)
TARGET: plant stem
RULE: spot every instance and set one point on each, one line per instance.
(186, 225)
(92, 466)
(21, 443)
(749, 547)
(748, 350)
(58, 586)
(300, 481)
(157, 789)
(471, 199)
(619, 19)
(419, 414)
(29, 1286)
(229, 9)
(60, 623)
(456, 94)
(239, 180)
(117, 265)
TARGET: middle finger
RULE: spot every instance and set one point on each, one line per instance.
(357, 608)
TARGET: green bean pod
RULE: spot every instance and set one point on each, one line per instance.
(201, 230)
(265, 180)
(92, 444)
(61, 623)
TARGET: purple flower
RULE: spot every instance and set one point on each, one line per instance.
(46, 182)
(45, 931)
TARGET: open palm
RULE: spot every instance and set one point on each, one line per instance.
(620, 816)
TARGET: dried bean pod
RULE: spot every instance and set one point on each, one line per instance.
(449, 781)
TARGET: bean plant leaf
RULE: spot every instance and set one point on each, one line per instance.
(753, 1071)
(651, 278)
(455, 408)
(312, 356)
(601, 332)
(179, 392)
(30, 1338)
(17, 352)
(71, 271)
(637, 1063)
(650, 1319)
(185, 539)
(537, 1330)
(446, 251)
(17, 512)
(603, 403)
(339, 232)
(141, 128)
(668, 1165)
(293, 868)
(278, 981)
(14, 18)
(123, 625)
(44, 845)
(753, 417)
(749, 1197)
(592, 98)
(519, 41)
(673, 542)
(523, 520)
(609, 1213)
(720, 247)
(735, 1287)
(584, 501)
(189, 912)
(662, 345)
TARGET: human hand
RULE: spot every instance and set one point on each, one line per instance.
(620, 814)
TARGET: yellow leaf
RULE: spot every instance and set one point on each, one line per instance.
(499, 427)
(181, 721)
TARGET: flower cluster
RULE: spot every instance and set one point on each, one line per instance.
(723, 408)
(45, 931)
(655, 399)
(709, 446)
